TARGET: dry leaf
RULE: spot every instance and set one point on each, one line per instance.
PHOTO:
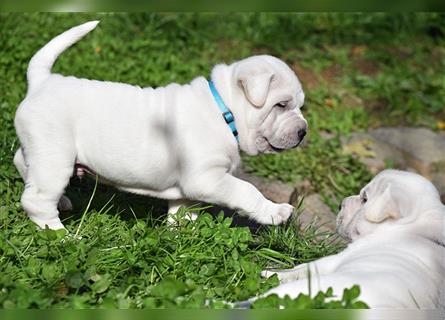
(329, 102)
(361, 148)
(357, 51)
(440, 125)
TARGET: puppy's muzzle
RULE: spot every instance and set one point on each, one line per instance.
(301, 134)
(289, 134)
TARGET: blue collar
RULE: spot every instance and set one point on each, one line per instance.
(226, 113)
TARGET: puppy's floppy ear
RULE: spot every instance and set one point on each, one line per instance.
(255, 82)
(382, 207)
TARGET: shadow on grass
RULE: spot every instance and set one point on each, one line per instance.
(130, 206)
(127, 205)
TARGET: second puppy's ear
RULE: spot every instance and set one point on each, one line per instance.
(255, 82)
(382, 207)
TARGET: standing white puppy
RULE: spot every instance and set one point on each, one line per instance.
(397, 254)
(176, 142)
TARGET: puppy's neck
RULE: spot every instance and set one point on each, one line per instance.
(432, 224)
(429, 224)
(221, 76)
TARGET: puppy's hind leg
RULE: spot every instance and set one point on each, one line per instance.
(301, 271)
(49, 171)
(64, 203)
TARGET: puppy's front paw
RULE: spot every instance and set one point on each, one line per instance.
(282, 275)
(275, 214)
(268, 273)
(287, 275)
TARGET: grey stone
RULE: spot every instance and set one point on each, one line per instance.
(316, 212)
(421, 148)
(438, 179)
(369, 151)
(414, 149)
(275, 191)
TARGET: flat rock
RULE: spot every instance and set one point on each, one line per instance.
(316, 212)
(438, 180)
(275, 191)
(415, 149)
(421, 148)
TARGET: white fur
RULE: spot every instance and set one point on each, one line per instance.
(171, 142)
(398, 259)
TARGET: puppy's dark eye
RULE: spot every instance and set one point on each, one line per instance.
(364, 197)
(281, 104)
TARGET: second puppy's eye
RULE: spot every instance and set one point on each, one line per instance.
(282, 104)
(364, 197)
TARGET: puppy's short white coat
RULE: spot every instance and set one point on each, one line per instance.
(397, 254)
(171, 142)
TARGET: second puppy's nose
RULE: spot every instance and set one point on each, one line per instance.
(301, 133)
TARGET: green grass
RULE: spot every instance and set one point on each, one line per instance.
(358, 71)
(139, 263)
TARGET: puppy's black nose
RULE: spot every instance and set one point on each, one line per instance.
(301, 134)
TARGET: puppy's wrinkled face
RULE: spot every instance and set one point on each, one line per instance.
(273, 97)
(391, 197)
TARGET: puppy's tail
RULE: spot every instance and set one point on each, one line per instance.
(39, 68)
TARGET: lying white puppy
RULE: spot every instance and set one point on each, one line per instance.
(397, 254)
(176, 142)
